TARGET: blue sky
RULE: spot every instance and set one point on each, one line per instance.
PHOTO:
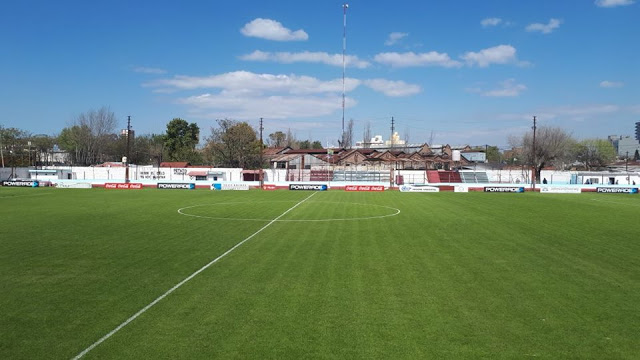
(472, 72)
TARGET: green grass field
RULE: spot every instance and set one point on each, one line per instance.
(356, 275)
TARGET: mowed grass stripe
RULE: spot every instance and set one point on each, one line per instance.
(452, 276)
(82, 261)
(434, 293)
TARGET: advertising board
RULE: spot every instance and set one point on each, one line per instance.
(65, 185)
(123, 186)
(419, 188)
(21, 183)
(503, 189)
(314, 187)
(461, 188)
(269, 187)
(560, 190)
(617, 190)
(220, 186)
(364, 188)
(187, 186)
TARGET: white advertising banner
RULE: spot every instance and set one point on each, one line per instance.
(230, 186)
(419, 188)
(560, 190)
(66, 185)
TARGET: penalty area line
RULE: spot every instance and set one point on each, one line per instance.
(175, 287)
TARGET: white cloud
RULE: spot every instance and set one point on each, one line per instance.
(149, 70)
(272, 30)
(501, 54)
(613, 3)
(306, 56)
(393, 88)
(508, 88)
(544, 28)
(394, 37)
(490, 22)
(247, 95)
(566, 112)
(611, 84)
(409, 59)
(240, 105)
(252, 82)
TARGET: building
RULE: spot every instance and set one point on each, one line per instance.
(638, 131)
(627, 146)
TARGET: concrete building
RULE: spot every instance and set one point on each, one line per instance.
(627, 146)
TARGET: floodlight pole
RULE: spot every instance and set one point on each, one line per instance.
(126, 171)
(261, 156)
(533, 177)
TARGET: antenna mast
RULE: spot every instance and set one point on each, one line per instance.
(345, 6)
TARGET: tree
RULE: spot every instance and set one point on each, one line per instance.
(553, 147)
(348, 135)
(234, 144)
(42, 146)
(305, 144)
(636, 156)
(493, 154)
(277, 139)
(316, 145)
(14, 143)
(181, 139)
(291, 140)
(89, 137)
(594, 153)
(367, 135)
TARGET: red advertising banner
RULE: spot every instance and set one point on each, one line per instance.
(269, 187)
(364, 188)
(123, 186)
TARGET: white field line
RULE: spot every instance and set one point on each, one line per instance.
(144, 309)
(181, 212)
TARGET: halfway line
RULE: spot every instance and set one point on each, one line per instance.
(144, 309)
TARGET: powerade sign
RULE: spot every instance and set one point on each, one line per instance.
(21, 183)
(313, 187)
(612, 190)
(176, 186)
(504, 189)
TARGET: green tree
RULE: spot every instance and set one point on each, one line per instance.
(493, 154)
(636, 156)
(42, 147)
(305, 144)
(277, 139)
(15, 150)
(234, 144)
(595, 153)
(90, 139)
(180, 141)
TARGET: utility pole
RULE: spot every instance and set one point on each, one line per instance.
(393, 128)
(533, 177)
(126, 170)
(261, 158)
(626, 166)
(345, 6)
(1, 153)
